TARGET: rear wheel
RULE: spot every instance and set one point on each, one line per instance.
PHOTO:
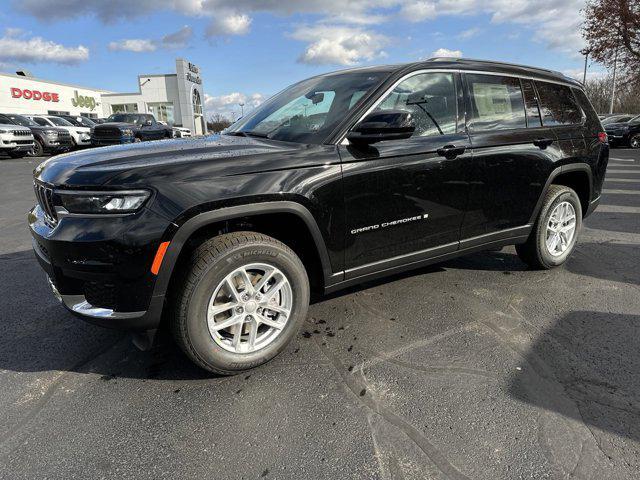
(556, 230)
(242, 298)
(634, 141)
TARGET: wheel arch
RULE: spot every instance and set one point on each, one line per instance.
(206, 224)
(577, 176)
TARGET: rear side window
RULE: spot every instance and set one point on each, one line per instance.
(558, 105)
(497, 102)
(531, 104)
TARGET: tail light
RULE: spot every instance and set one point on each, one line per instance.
(602, 137)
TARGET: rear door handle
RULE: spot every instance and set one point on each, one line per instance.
(450, 151)
(543, 143)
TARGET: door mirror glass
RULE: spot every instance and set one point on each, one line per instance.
(383, 125)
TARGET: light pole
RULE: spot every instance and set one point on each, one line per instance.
(241, 109)
(585, 52)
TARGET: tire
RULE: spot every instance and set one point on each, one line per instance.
(634, 141)
(535, 251)
(17, 154)
(204, 274)
(38, 149)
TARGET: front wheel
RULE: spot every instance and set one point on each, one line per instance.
(243, 296)
(556, 230)
(37, 150)
(634, 141)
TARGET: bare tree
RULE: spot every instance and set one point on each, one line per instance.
(218, 122)
(612, 30)
(626, 99)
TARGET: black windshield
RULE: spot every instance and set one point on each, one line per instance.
(126, 118)
(20, 120)
(308, 111)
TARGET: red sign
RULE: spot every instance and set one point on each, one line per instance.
(34, 95)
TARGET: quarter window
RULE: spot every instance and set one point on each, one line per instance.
(497, 102)
(558, 105)
(431, 99)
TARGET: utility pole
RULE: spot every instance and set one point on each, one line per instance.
(242, 109)
(615, 77)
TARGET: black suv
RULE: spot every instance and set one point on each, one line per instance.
(46, 139)
(122, 128)
(625, 133)
(338, 179)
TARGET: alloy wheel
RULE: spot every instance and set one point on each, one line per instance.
(561, 228)
(249, 308)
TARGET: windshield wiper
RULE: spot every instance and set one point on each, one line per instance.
(249, 133)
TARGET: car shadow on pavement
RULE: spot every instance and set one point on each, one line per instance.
(585, 368)
(605, 261)
(37, 334)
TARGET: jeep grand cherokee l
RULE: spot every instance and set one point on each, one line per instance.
(16, 141)
(339, 179)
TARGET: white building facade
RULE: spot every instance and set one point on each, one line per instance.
(174, 98)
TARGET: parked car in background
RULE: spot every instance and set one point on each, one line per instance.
(46, 139)
(16, 141)
(617, 118)
(129, 128)
(99, 121)
(80, 136)
(624, 133)
(79, 121)
(181, 132)
(337, 180)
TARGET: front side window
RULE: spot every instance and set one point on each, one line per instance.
(497, 102)
(42, 122)
(558, 105)
(309, 111)
(431, 99)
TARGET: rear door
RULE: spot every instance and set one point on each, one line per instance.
(513, 154)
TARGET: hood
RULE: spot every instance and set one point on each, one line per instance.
(616, 125)
(115, 125)
(98, 165)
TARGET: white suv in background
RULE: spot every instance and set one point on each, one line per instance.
(15, 140)
(80, 136)
(181, 132)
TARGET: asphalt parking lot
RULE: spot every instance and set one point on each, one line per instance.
(472, 369)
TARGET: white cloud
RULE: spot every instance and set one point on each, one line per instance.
(419, 11)
(229, 24)
(178, 39)
(229, 105)
(445, 52)
(137, 45)
(578, 74)
(339, 45)
(470, 33)
(36, 49)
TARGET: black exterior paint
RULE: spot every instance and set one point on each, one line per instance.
(486, 195)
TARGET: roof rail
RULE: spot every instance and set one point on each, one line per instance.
(476, 60)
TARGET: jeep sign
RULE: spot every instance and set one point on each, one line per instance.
(82, 101)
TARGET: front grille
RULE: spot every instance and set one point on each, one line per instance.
(21, 133)
(23, 142)
(100, 294)
(44, 195)
(107, 132)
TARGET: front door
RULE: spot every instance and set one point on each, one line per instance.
(404, 200)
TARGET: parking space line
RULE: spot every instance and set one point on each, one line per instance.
(623, 180)
(616, 191)
(623, 171)
(616, 159)
(617, 209)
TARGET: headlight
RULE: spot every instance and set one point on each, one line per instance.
(51, 133)
(127, 132)
(103, 202)
(4, 131)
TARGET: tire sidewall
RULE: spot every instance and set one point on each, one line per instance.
(196, 319)
(548, 259)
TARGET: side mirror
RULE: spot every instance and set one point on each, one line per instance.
(148, 123)
(384, 125)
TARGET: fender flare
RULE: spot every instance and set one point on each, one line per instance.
(184, 232)
(571, 167)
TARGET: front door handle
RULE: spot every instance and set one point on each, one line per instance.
(450, 151)
(543, 143)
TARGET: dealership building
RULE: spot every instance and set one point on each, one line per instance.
(174, 98)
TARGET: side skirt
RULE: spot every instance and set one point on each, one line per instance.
(416, 260)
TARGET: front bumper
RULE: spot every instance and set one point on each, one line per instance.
(103, 142)
(99, 268)
(55, 143)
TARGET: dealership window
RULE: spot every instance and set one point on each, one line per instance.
(162, 111)
(497, 102)
(57, 112)
(124, 108)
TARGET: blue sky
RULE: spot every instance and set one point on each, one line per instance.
(250, 49)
